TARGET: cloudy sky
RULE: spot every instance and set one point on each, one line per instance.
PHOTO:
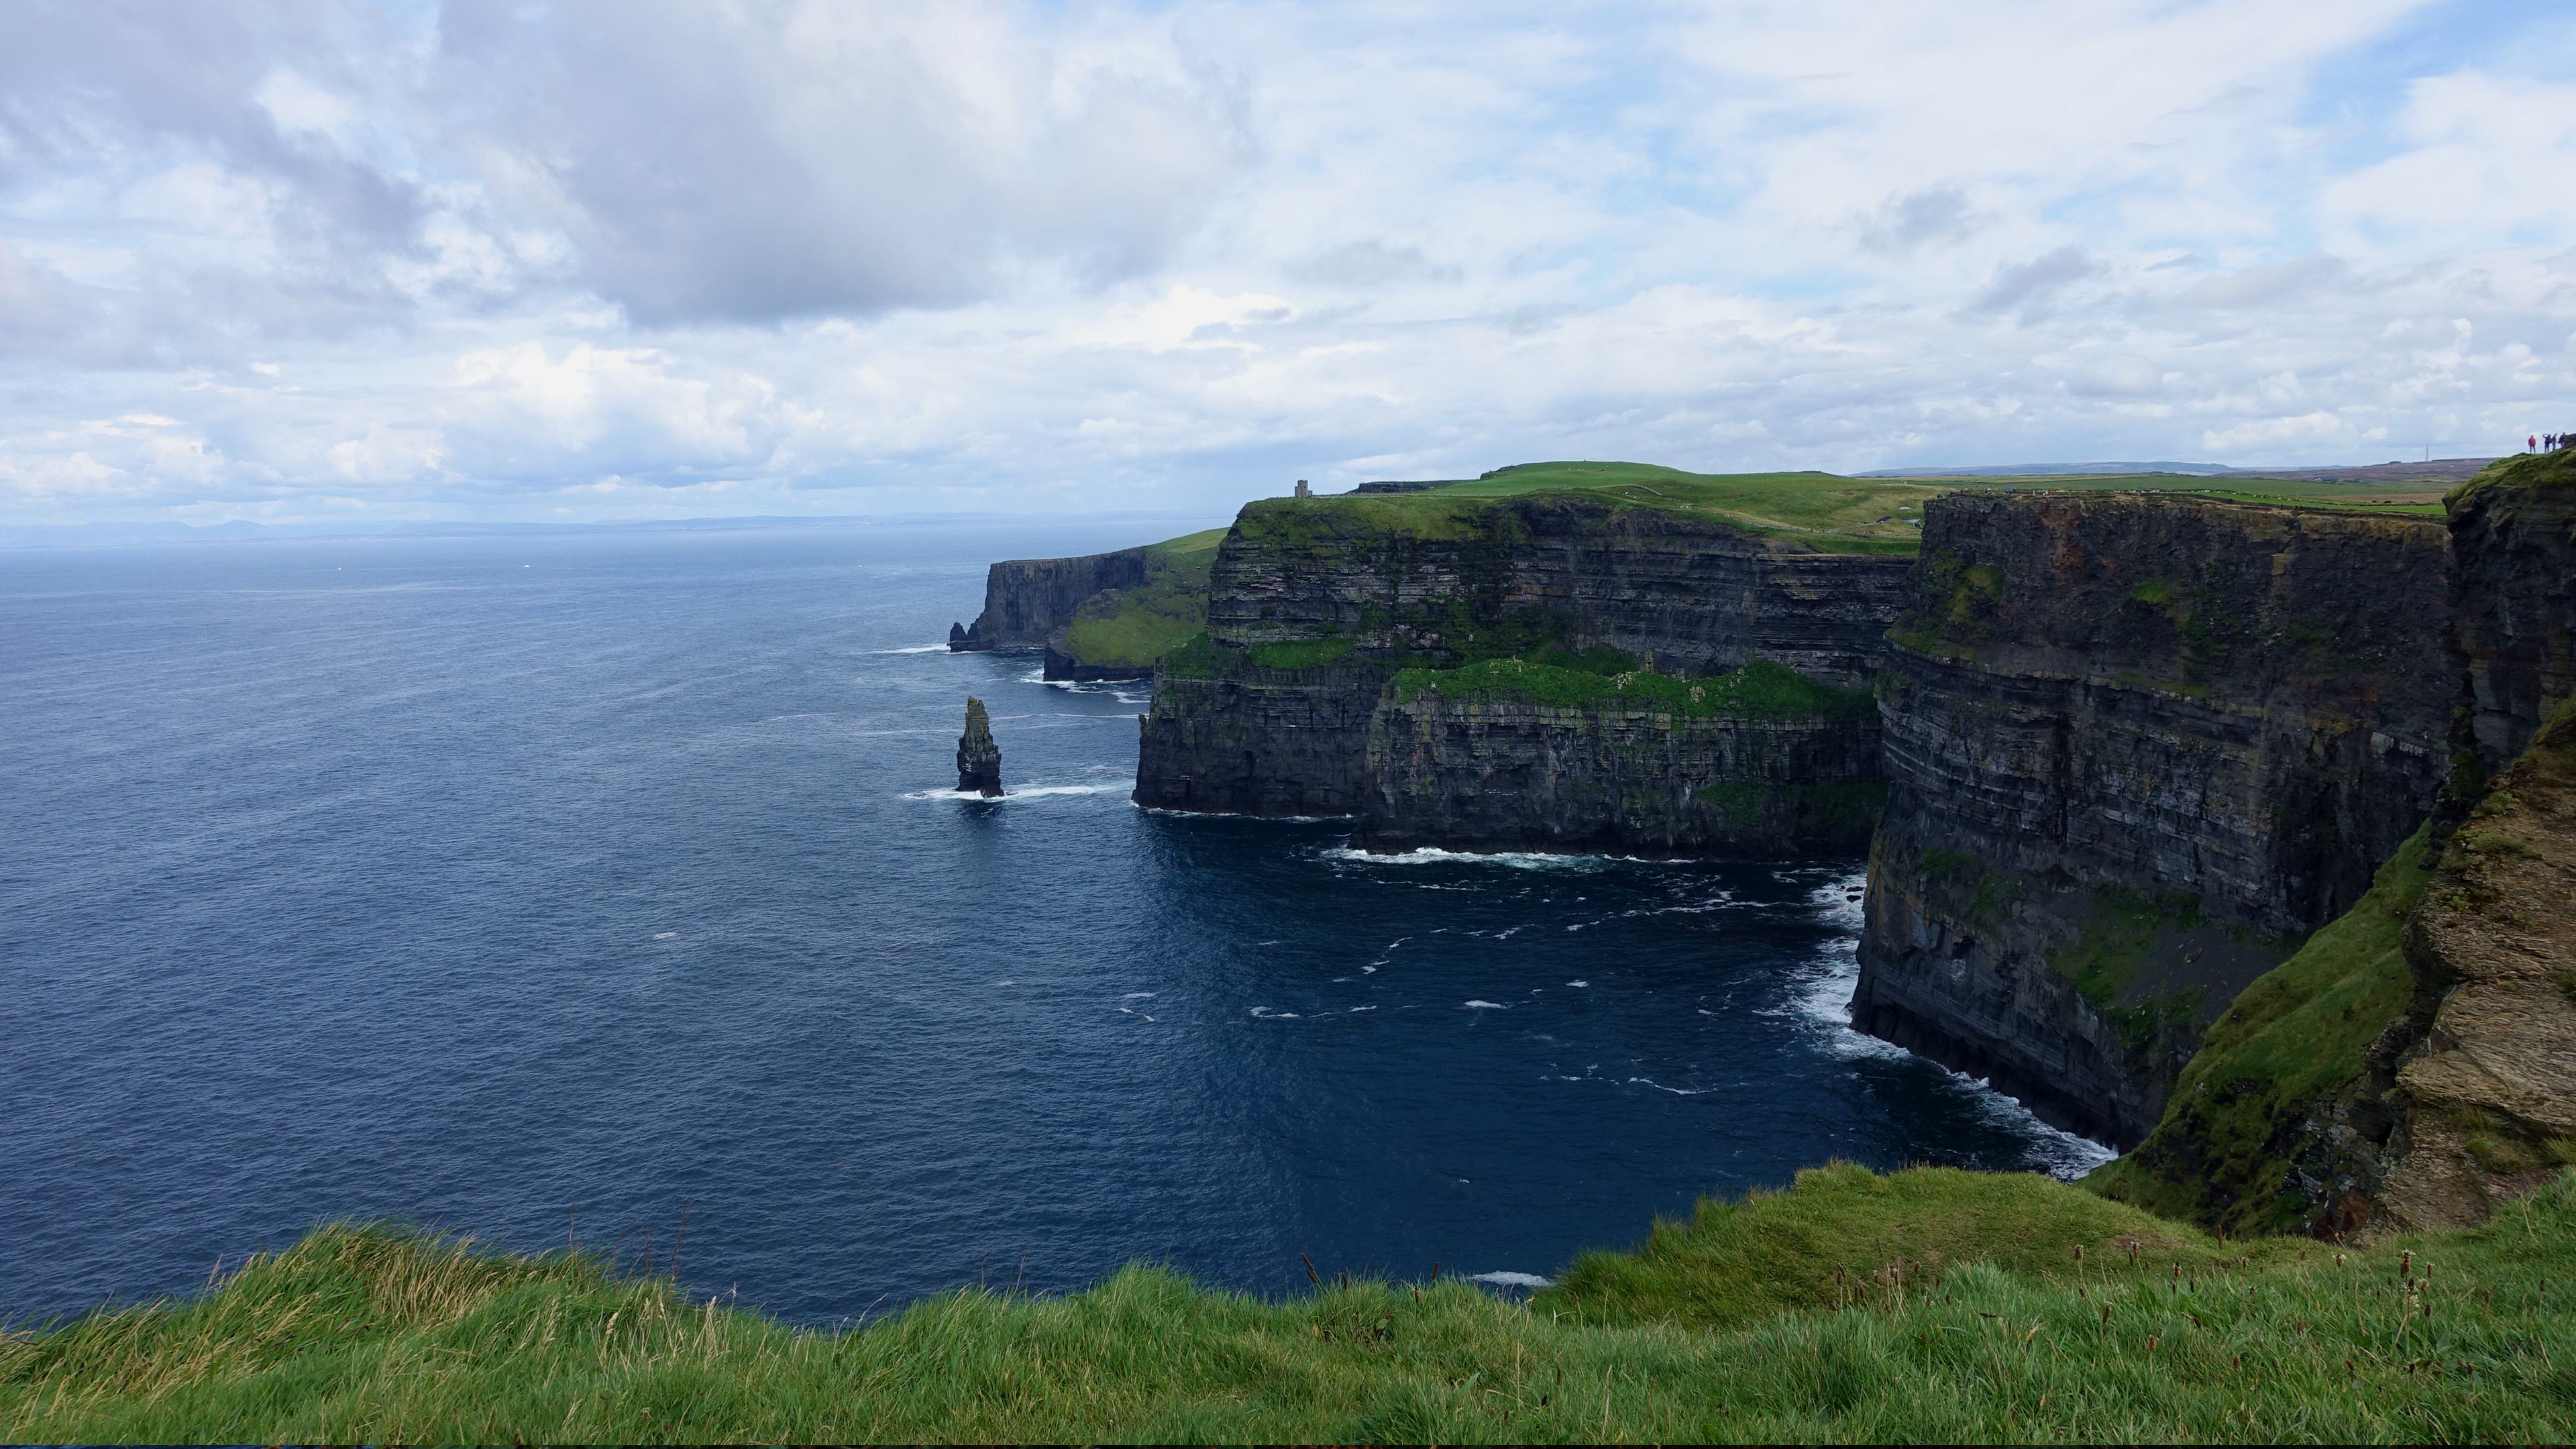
(379, 259)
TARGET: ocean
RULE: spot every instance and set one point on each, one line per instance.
(611, 889)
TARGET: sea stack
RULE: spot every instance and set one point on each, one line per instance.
(979, 760)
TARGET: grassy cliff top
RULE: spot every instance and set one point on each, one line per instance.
(1926, 1306)
(1838, 514)
(1821, 511)
(2524, 470)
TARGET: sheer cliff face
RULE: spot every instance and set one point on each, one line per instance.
(1282, 743)
(2515, 538)
(1025, 600)
(1313, 603)
(2136, 747)
(1518, 774)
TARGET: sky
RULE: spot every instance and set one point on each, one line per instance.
(367, 260)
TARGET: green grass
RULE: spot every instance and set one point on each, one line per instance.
(2287, 1045)
(1760, 689)
(1929, 1306)
(1140, 625)
(2525, 470)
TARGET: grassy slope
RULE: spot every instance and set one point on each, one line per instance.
(2289, 1043)
(1168, 608)
(1964, 1315)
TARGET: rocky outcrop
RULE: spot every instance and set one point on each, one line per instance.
(979, 760)
(2137, 748)
(1025, 600)
(1314, 604)
(1505, 761)
(2489, 1094)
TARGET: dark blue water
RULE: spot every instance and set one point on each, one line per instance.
(518, 885)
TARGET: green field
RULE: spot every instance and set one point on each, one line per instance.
(1927, 1306)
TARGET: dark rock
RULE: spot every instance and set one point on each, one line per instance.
(979, 760)
(2514, 535)
(1252, 741)
(1518, 774)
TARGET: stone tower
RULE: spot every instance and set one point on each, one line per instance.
(979, 760)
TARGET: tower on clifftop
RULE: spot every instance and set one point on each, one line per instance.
(979, 760)
(1303, 491)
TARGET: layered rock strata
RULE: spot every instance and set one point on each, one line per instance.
(1503, 769)
(1314, 604)
(2137, 748)
(1025, 600)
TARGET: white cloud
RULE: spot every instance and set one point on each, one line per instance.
(785, 255)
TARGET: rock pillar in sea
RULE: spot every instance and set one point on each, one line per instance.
(979, 760)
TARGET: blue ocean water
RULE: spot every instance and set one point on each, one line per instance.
(548, 887)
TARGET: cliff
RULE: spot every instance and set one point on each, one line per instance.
(2137, 748)
(2416, 1061)
(1025, 600)
(2513, 531)
(1315, 604)
(1513, 756)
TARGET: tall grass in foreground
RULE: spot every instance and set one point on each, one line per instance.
(1919, 1306)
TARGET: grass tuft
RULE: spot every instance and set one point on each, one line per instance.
(1929, 1305)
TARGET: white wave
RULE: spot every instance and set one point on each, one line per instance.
(664, 935)
(1234, 814)
(1515, 1280)
(1487, 1006)
(1137, 996)
(1660, 1087)
(1263, 1013)
(1578, 983)
(914, 649)
(1434, 855)
(1363, 1008)
(1824, 995)
(1024, 792)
